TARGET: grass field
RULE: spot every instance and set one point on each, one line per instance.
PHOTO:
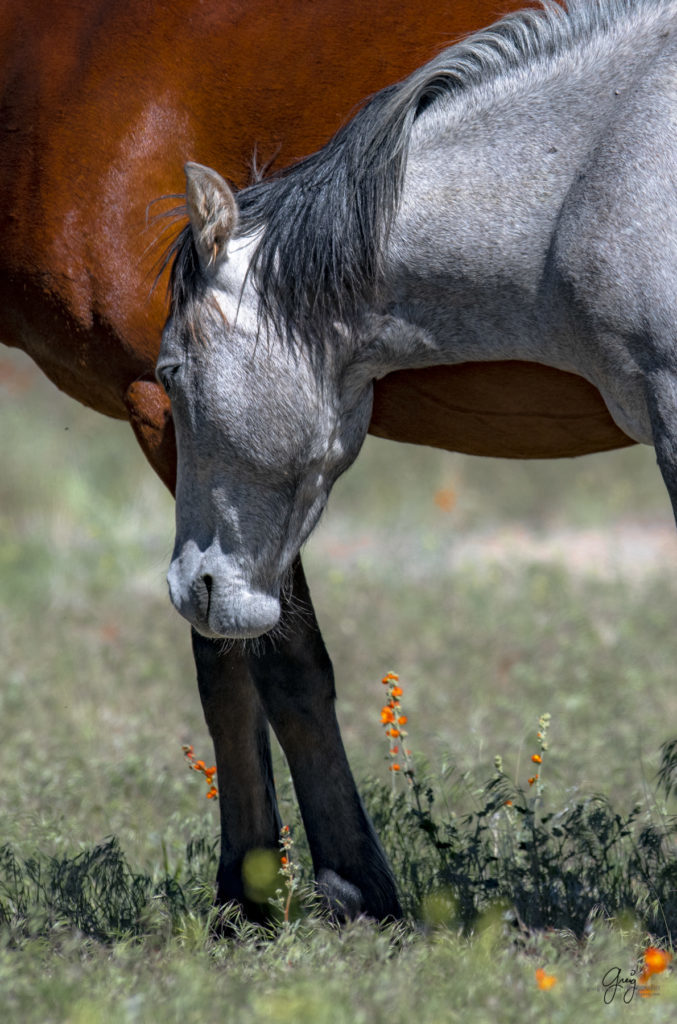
(497, 591)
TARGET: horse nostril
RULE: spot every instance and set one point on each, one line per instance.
(207, 582)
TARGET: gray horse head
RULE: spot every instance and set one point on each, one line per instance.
(262, 429)
(471, 212)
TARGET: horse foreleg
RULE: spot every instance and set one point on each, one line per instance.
(662, 404)
(238, 727)
(295, 680)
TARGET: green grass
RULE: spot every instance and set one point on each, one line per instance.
(317, 975)
(97, 695)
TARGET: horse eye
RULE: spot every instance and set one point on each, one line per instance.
(166, 375)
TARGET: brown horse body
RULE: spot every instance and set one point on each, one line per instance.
(100, 105)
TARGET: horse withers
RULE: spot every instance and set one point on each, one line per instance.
(513, 199)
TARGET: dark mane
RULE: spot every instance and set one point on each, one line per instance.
(324, 222)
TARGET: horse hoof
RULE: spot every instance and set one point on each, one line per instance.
(343, 899)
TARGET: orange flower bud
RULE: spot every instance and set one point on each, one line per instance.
(393, 732)
(545, 981)
(402, 719)
(395, 768)
(397, 691)
(536, 758)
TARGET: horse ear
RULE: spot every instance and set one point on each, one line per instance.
(212, 210)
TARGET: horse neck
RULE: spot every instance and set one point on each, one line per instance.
(488, 173)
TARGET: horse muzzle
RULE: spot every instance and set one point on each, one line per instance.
(219, 604)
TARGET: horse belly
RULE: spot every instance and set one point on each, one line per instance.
(503, 409)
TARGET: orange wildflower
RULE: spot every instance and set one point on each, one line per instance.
(534, 778)
(655, 961)
(200, 766)
(394, 720)
(536, 758)
(445, 499)
(545, 981)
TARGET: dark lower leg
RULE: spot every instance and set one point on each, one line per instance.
(295, 680)
(236, 721)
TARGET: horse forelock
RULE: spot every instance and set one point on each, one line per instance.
(323, 223)
(187, 292)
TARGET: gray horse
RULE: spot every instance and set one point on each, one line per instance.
(515, 198)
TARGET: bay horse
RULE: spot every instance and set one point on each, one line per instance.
(514, 198)
(100, 104)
